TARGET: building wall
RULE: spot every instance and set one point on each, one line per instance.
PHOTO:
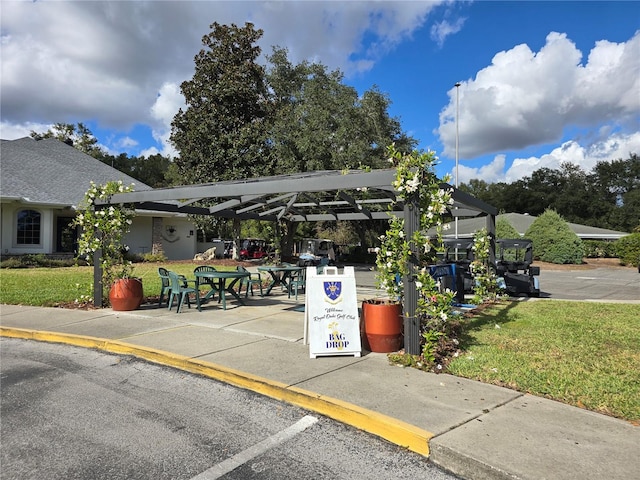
(8, 240)
(178, 236)
(177, 245)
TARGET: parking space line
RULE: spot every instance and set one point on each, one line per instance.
(250, 453)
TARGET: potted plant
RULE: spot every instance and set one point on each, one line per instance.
(417, 184)
(104, 229)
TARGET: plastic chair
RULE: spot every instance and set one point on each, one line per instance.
(249, 282)
(179, 288)
(165, 288)
(297, 282)
(207, 281)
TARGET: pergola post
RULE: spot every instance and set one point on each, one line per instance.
(97, 274)
(411, 321)
(491, 231)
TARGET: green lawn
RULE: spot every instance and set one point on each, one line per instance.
(54, 286)
(579, 353)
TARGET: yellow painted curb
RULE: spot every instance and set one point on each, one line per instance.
(391, 429)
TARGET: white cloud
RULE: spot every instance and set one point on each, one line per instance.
(490, 172)
(441, 30)
(527, 98)
(167, 104)
(108, 61)
(126, 142)
(614, 147)
(12, 131)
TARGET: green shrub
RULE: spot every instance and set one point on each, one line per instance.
(154, 257)
(628, 249)
(33, 260)
(553, 240)
(505, 230)
(599, 249)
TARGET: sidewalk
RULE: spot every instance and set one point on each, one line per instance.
(475, 430)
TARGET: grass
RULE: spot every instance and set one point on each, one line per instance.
(59, 286)
(582, 354)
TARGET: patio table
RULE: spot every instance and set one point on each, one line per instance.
(280, 275)
(221, 277)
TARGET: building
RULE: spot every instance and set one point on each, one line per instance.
(42, 183)
(521, 222)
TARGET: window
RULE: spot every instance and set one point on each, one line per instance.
(28, 227)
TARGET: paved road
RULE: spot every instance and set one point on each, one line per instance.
(600, 284)
(72, 413)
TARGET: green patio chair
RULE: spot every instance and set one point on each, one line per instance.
(165, 288)
(297, 282)
(178, 288)
(211, 282)
(249, 282)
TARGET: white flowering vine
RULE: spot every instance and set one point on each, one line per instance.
(485, 280)
(104, 229)
(416, 182)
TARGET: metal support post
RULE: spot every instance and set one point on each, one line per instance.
(97, 274)
(411, 321)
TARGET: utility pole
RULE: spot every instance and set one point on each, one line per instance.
(457, 85)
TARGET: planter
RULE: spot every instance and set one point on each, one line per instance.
(382, 325)
(126, 294)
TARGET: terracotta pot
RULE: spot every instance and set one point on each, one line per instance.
(126, 294)
(382, 325)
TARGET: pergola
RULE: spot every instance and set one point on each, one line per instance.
(303, 197)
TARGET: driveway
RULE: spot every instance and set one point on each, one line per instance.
(594, 282)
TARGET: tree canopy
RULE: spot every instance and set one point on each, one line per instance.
(154, 170)
(221, 134)
(606, 197)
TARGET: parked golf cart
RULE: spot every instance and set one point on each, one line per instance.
(513, 263)
(254, 249)
(460, 252)
(316, 251)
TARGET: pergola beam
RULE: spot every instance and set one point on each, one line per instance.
(263, 199)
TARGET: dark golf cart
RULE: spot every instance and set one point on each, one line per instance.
(513, 263)
(460, 252)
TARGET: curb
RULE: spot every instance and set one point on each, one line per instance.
(393, 430)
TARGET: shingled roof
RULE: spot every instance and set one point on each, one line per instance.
(521, 222)
(51, 172)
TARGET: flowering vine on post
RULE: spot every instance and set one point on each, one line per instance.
(416, 182)
(104, 229)
(485, 280)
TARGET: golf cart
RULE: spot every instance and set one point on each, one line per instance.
(513, 263)
(460, 253)
(254, 249)
(314, 252)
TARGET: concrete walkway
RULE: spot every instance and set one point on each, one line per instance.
(472, 429)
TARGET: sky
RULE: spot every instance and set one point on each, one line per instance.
(541, 83)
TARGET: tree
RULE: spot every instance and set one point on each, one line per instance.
(78, 136)
(152, 170)
(614, 193)
(221, 134)
(504, 229)
(607, 197)
(319, 123)
(553, 240)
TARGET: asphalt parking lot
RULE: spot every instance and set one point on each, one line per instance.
(602, 283)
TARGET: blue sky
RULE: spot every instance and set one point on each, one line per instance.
(542, 83)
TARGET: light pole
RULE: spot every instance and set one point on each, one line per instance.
(457, 144)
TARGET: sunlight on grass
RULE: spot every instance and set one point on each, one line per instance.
(583, 354)
(52, 286)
